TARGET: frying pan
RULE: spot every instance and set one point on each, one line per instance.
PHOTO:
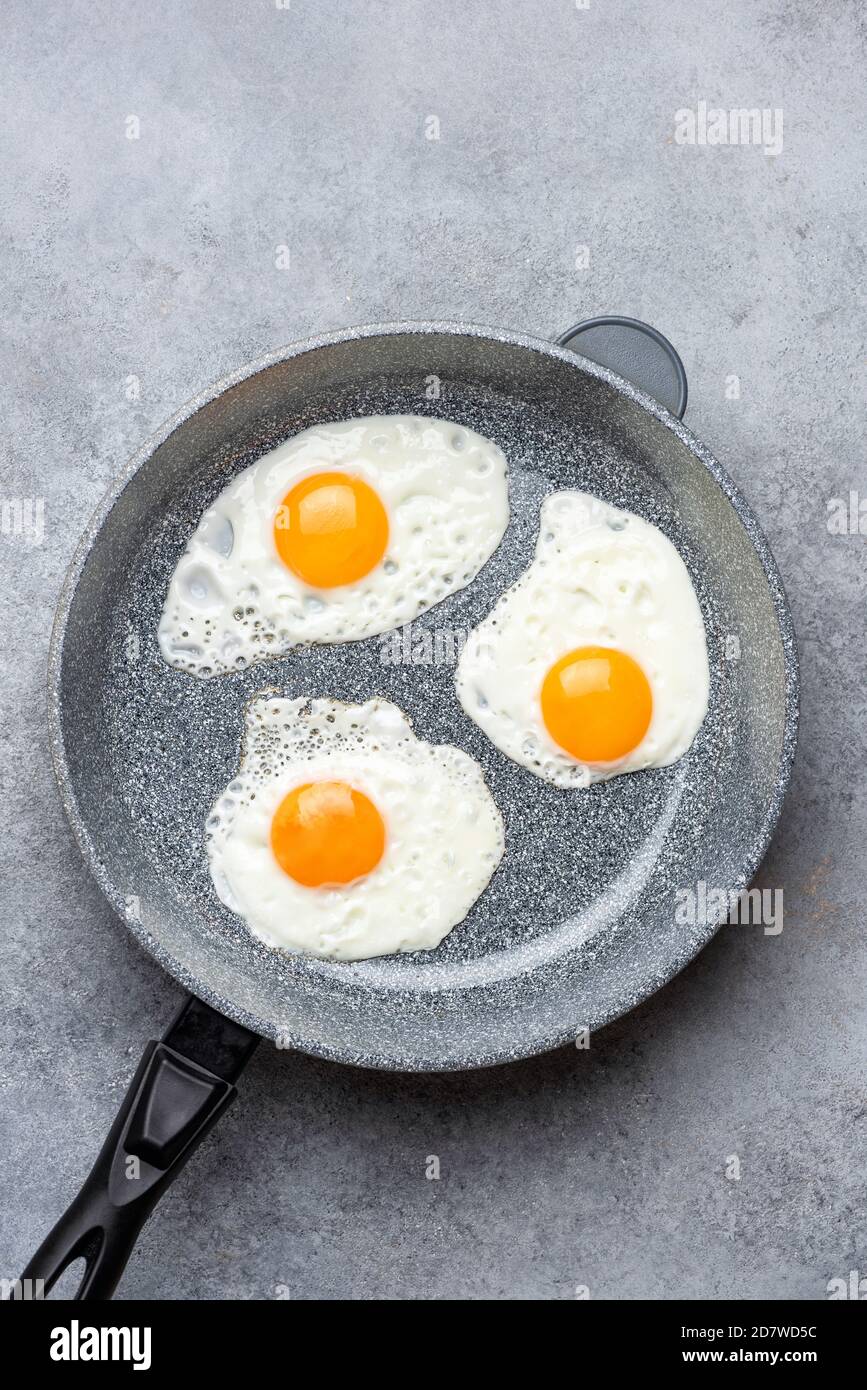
(579, 922)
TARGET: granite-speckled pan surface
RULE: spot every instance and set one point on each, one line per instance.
(578, 923)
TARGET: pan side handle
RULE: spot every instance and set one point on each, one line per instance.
(634, 351)
(180, 1089)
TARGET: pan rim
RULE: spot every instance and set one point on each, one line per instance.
(176, 969)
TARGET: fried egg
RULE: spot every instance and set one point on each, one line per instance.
(595, 662)
(346, 531)
(346, 836)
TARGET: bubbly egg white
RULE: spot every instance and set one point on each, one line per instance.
(600, 577)
(233, 601)
(444, 833)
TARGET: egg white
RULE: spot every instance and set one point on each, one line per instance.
(444, 833)
(232, 601)
(600, 577)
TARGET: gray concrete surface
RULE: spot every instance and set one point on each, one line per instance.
(154, 259)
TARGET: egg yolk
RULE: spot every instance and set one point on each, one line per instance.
(596, 704)
(327, 833)
(331, 529)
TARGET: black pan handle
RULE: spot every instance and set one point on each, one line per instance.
(180, 1089)
(635, 351)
